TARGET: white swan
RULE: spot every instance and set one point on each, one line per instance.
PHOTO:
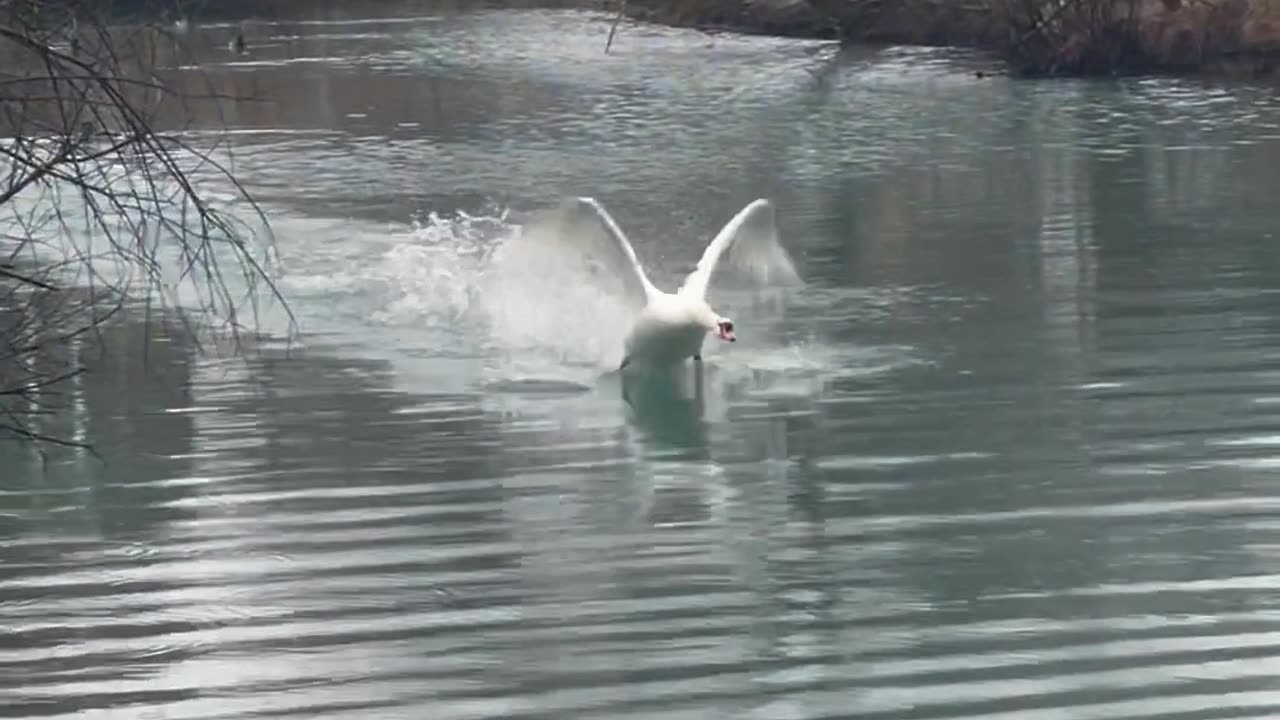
(670, 327)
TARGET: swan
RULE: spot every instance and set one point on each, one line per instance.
(670, 327)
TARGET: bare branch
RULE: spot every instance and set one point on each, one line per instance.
(7, 271)
(101, 208)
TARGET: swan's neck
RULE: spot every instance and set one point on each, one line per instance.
(704, 316)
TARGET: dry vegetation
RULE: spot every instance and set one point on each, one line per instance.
(99, 204)
(1104, 36)
(1037, 37)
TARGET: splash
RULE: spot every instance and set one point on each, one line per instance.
(545, 304)
(476, 300)
(459, 286)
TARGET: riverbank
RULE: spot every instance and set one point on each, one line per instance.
(1035, 37)
(1049, 38)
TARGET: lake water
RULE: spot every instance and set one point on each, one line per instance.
(1011, 453)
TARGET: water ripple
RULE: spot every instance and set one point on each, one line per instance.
(1010, 455)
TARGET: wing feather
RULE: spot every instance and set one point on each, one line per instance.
(748, 244)
(582, 224)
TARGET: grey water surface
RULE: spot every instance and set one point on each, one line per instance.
(1011, 453)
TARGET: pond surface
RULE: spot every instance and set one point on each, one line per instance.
(1011, 453)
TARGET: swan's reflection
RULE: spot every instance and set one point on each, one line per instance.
(667, 404)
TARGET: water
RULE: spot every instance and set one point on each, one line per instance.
(1010, 454)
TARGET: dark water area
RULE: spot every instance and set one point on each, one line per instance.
(1010, 453)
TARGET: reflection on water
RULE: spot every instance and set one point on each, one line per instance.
(1009, 455)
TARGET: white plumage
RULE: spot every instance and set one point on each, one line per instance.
(670, 327)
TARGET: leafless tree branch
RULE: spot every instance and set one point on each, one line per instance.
(103, 202)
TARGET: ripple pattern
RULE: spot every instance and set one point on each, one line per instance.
(1011, 456)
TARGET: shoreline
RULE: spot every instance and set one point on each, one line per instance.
(1031, 38)
(1230, 38)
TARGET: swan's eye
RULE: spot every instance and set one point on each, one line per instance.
(726, 325)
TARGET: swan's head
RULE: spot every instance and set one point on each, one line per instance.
(724, 329)
(715, 323)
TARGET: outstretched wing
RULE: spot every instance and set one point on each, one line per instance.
(582, 224)
(748, 244)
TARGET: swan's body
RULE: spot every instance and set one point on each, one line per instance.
(669, 328)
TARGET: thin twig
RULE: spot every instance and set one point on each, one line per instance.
(622, 7)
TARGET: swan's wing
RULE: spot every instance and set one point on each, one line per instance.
(749, 245)
(581, 224)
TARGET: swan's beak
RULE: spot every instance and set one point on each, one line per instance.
(727, 335)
